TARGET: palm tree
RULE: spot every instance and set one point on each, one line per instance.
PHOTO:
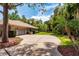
(70, 10)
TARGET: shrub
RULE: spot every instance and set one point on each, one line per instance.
(12, 42)
(74, 27)
(12, 33)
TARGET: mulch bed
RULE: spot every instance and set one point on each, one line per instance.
(12, 42)
(67, 50)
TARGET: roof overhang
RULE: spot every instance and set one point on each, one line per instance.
(18, 24)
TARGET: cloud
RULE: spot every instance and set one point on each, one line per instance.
(43, 18)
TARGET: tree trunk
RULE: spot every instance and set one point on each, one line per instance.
(77, 15)
(5, 23)
(72, 38)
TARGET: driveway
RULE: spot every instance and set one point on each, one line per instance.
(32, 39)
(40, 40)
(34, 45)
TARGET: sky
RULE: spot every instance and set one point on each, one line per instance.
(29, 12)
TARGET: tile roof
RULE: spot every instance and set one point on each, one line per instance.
(19, 24)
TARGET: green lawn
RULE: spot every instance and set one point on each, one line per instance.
(64, 39)
(44, 33)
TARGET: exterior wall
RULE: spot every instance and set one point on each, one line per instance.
(19, 31)
(25, 31)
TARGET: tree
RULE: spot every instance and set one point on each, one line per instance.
(5, 23)
(69, 12)
(45, 27)
(6, 7)
(14, 16)
(24, 19)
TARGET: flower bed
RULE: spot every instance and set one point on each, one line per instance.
(67, 50)
(12, 42)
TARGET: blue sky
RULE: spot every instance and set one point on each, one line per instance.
(34, 13)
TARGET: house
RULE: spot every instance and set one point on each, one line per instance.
(19, 27)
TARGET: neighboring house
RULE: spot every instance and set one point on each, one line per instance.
(19, 27)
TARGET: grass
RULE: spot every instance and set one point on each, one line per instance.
(64, 39)
(44, 33)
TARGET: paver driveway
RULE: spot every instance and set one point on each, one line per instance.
(40, 41)
(34, 45)
(31, 39)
